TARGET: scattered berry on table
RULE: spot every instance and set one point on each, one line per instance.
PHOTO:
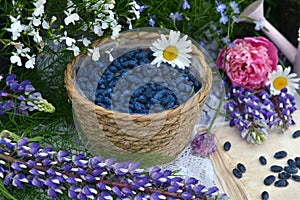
(284, 175)
(281, 183)
(241, 167)
(296, 177)
(276, 168)
(237, 173)
(290, 170)
(269, 180)
(296, 134)
(264, 195)
(262, 160)
(291, 163)
(297, 160)
(280, 154)
(227, 146)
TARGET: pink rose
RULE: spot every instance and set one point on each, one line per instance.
(249, 61)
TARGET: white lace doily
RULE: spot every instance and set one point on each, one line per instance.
(189, 165)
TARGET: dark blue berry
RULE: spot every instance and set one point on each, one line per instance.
(159, 95)
(117, 63)
(269, 180)
(284, 175)
(154, 101)
(276, 168)
(298, 164)
(106, 101)
(237, 173)
(264, 195)
(241, 167)
(290, 170)
(291, 163)
(113, 68)
(280, 154)
(281, 183)
(169, 105)
(142, 99)
(296, 134)
(296, 177)
(227, 146)
(262, 160)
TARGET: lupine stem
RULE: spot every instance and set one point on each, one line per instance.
(218, 110)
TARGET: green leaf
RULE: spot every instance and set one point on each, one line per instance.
(5, 193)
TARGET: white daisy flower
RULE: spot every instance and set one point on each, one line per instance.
(280, 79)
(173, 50)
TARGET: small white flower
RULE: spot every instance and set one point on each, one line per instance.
(86, 42)
(135, 9)
(280, 79)
(36, 36)
(129, 23)
(45, 25)
(75, 49)
(104, 25)
(15, 28)
(39, 8)
(1, 77)
(71, 18)
(30, 62)
(116, 30)
(259, 24)
(69, 41)
(299, 34)
(20, 50)
(173, 50)
(111, 58)
(15, 58)
(98, 30)
(95, 53)
(35, 21)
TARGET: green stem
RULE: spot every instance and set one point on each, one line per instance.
(218, 110)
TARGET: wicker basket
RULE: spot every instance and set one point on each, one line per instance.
(150, 139)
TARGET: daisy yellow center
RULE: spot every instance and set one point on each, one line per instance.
(280, 83)
(170, 53)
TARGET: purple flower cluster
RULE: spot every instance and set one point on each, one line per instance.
(23, 163)
(220, 7)
(254, 113)
(233, 9)
(19, 98)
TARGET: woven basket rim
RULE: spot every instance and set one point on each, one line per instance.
(69, 76)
